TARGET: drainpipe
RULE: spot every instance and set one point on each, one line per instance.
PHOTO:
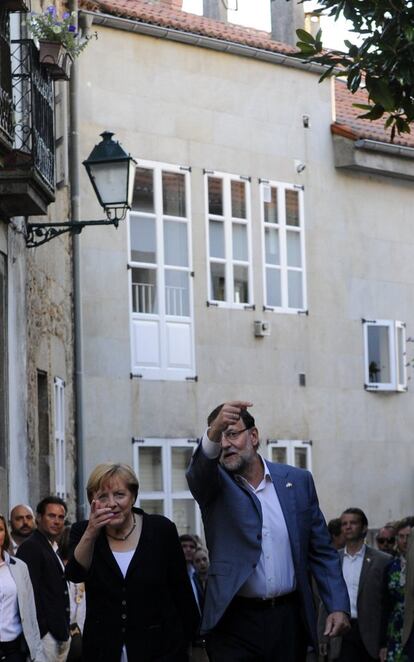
(74, 176)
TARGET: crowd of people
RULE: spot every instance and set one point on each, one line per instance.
(272, 583)
(376, 579)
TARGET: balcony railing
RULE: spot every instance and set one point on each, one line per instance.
(27, 178)
(6, 101)
(33, 103)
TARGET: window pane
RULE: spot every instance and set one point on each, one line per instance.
(180, 459)
(184, 515)
(270, 206)
(215, 196)
(279, 454)
(216, 236)
(379, 355)
(144, 291)
(173, 193)
(241, 284)
(301, 458)
(218, 281)
(238, 199)
(240, 242)
(143, 199)
(272, 246)
(143, 242)
(294, 258)
(150, 470)
(176, 293)
(292, 208)
(152, 506)
(175, 243)
(295, 299)
(273, 289)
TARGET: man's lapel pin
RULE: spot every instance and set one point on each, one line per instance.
(289, 485)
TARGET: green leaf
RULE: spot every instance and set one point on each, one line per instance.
(307, 37)
(379, 91)
(362, 106)
(375, 113)
(326, 73)
(306, 48)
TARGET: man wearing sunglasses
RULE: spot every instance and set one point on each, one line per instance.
(264, 532)
(385, 539)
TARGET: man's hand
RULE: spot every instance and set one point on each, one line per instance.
(229, 414)
(383, 654)
(337, 623)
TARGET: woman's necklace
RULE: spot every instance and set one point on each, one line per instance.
(126, 536)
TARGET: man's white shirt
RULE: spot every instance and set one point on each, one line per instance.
(274, 574)
(351, 569)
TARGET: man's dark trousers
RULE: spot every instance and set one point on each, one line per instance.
(259, 631)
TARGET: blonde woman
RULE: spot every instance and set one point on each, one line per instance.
(19, 632)
(139, 601)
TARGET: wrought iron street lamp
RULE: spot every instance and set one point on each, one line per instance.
(112, 174)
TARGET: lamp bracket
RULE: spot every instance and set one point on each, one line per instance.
(40, 233)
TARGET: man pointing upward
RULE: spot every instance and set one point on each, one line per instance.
(265, 532)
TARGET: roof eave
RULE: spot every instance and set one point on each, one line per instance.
(373, 157)
(202, 41)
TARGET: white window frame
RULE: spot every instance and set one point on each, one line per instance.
(163, 371)
(282, 187)
(398, 378)
(60, 440)
(290, 445)
(228, 221)
(166, 495)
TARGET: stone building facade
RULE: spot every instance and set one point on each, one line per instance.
(37, 454)
(266, 258)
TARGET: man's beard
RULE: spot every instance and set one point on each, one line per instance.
(22, 533)
(233, 463)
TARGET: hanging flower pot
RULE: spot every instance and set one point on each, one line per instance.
(56, 59)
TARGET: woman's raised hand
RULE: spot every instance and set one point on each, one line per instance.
(99, 517)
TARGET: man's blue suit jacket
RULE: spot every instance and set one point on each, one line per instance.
(232, 518)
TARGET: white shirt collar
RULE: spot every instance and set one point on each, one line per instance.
(359, 553)
(266, 477)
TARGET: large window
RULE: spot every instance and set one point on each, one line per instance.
(283, 247)
(290, 451)
(160, 273)
(60, 445)
(161, 465)
(385, 355)
(228, 240)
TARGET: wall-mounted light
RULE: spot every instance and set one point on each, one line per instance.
(112, 174)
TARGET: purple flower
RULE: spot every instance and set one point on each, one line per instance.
(51, 10)
(66, 15)
(72, 28)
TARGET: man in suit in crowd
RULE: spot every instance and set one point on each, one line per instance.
(264, 533)
(22, 525)
(47, 573)
(364, 570)
(335, 531)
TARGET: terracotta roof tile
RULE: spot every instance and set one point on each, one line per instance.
(157, 13)
(347, 119)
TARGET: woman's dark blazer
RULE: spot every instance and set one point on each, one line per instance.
(152, 611)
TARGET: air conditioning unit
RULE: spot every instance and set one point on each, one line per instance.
(261, 328)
